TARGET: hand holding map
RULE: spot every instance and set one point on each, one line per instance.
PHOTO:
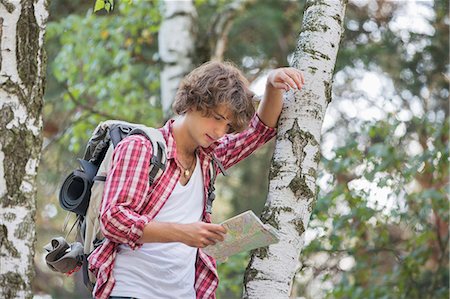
(244, 232)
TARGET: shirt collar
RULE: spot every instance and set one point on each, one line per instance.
(166, 130)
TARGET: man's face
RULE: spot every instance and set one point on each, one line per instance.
(206, 129)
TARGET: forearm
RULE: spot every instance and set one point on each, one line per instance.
(278, 81)
(198, 234)
(269, 109)
(162, 232)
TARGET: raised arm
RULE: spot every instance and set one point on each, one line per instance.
(235, 147)
(279, 80)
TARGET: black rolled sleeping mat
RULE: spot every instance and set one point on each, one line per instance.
(76, 190)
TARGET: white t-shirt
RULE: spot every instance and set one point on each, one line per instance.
(163, 270)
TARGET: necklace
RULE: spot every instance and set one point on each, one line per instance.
(187, 171)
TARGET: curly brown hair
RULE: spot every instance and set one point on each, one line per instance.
(216, 83)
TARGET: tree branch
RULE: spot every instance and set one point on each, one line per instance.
(89, 108)
(60, 134)
(218, 33)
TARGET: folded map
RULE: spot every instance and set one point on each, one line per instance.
(245, 232)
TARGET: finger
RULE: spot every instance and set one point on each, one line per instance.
(301, 79)
(298, 75)
(298, 80)
(208, 241)
(280, 85)
(288, 80)
(216, 236)
(217, 228)
(225, 229)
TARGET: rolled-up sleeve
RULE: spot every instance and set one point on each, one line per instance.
(125, 192)
(235, 147)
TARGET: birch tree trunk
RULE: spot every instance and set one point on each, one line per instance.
(176, 47)
(292, 186)
(22, 81)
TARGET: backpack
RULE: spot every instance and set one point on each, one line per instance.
(82, 190)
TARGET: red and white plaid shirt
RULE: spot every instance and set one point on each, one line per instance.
(129, 203)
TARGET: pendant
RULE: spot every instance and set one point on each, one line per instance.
(186, 173)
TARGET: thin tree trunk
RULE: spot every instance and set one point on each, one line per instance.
(221, 26)
(292, 187)
(176, 47)
(22, 81)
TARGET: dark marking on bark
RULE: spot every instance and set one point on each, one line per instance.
(6, 243)
(22, 231)
(11, 283)
(19, 144)
(261, 252)
(315, 54)
(312, 172)
(300, 139)
(8, 5)
(337, 18)
(299, 227)
(250, 275)
(314, 113)
(313, 202)
(314, 25)
(27, 44)
(317, 157)
(9, 217)
(7, 114)
(18, 147)
(328, 87)
(1, 35)
(274, 169)
(299, 187)
(270, 215)
(298, 143)
(313, 69)
(312, 3)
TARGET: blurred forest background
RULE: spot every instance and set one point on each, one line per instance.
(380, 225)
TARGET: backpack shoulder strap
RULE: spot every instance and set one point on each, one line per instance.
(159, 159)
(212, 179)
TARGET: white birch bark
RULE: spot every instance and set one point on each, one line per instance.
(292, 186)
(176, 46)
(22, 81)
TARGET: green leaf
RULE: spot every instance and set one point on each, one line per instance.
(99, 5)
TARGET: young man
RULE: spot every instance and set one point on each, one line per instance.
(154, 234)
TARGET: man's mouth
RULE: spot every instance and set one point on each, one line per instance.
(210, 138)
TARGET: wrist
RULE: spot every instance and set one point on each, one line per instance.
(272, 90)
(178, 232)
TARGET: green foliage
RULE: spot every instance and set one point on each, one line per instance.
(106, 68)
(108, 5)
(400, 245)
(386, 205)
(231, 276)
(270, 30)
